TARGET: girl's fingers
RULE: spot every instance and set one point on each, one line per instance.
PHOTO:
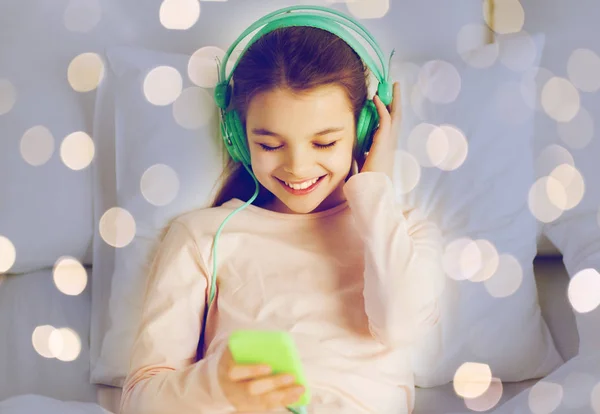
(384, 115)
(246, 372)
(283, 397)
(265, 385)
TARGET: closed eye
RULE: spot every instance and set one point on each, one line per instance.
(320, 146)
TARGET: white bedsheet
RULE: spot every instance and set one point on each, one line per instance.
(30, 404)
(46, 385)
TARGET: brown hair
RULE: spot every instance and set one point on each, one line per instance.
(296, 58)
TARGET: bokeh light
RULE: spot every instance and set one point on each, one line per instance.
(159, 185)
(77, 150)
(439, 81)
(41, 340)
(8, 96)
(117, 227)
(437, 146)
(539, 199)
(507, 16)
(544, 397)
(202, 66)
(572, 184)
(472, 379)
(163, 85)
(560, 99)
(462, 259)
(488, 400)
(407, 174)
(430, 145)
(64, 344)
(179, 14)
(368, 9)
(85, 72)
(8, 254)
(37, 145)
(70, 277)
(458, 148)
(490, 261)
(507, 278)
(583, 68)
(584, 290)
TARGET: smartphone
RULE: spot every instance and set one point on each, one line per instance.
(274, 348)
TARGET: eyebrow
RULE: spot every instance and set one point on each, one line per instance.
(263, 131)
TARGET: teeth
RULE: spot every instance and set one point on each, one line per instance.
(303, 185)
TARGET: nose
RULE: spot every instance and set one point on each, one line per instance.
(298, 162)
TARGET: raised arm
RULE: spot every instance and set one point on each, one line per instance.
(163, 375)
(403, 277)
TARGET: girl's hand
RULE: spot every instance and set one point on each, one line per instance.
(380, 157)
(254, 388)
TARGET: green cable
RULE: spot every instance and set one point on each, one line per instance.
(214, 273)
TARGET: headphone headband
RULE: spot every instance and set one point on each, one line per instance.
(274, 21)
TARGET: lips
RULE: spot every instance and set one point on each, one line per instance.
(303, 191)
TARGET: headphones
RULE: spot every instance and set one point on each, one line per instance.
(232, 130)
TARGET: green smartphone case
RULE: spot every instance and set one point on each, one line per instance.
(274, 348)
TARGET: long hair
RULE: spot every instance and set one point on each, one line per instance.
(298, 59)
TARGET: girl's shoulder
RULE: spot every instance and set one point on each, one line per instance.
(205, 216)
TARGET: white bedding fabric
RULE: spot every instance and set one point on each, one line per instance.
(26, 302)
(23, 371)
(29, 403)
(578, 381)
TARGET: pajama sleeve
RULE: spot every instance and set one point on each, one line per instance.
(403, 275)
(163, 376)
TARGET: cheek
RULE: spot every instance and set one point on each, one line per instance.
(263, 163)
(340, 160)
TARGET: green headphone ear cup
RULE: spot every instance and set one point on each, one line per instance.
(238, 138)
(366, 125)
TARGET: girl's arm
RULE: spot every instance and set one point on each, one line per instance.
(163, 377)
(404, 277)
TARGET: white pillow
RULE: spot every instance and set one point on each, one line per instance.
(485, 198)
(146, 136)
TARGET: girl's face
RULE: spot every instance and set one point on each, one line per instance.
(311, 136)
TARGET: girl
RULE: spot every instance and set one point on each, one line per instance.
(350, 274)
